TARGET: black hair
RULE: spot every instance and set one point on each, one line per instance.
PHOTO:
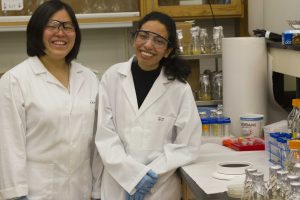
(174, 66)
(37, 23)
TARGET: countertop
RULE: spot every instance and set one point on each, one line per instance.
(198, 175)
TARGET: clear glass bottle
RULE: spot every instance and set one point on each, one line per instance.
(248, 183)
(203, 37)
(217, 88)
(195, 44)
(271, 185)
(180, 37)
(295, 124)
(205, 88)
(292, 114)
(287, 186)
(295, 191)
(217, 39)
(280, 181)
(259, 190)
(294, 155)
(296, 169)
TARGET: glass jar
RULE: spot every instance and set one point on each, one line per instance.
(271, 186)
(280, 182)
(204, 93)
(217, 39)
(203, 37)
(287, 187)
(217, 88)
(195, 44)
(180, 37)
(292, 114)
(295, 191)
(294, 155)
(248, 183)
(259, 191)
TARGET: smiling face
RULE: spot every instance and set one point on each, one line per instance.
(59, 41)
(148, 51)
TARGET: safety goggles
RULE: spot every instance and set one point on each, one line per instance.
(54, 26)
(158, 41)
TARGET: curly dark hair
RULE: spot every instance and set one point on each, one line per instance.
(175, 67)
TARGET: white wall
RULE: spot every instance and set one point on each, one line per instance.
(272, 15)
(100, 48)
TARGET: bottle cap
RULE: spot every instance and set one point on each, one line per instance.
(294, 144)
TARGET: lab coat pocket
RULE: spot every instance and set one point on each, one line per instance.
(157, 131)
(40, 179)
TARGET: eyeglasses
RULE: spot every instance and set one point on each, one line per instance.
(159, 41)
(54, 26)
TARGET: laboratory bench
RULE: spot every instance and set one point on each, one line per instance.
(198, 177)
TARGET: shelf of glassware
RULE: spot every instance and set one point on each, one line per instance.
(90, 14)
(221, 9)
(201, 56)
(209, 103)
(86, 21)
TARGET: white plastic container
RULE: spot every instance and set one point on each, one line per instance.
(251, 125)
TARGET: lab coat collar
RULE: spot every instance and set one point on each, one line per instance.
(76, 74)
(126, 71)
(158, 89)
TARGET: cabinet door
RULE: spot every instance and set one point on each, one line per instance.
(88, 12)
(199, 8)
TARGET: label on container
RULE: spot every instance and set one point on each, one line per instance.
(12, 5)
(251, 125)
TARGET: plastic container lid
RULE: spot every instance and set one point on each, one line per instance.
(205, 121)
(287, 136)
(295, 102)
(227, 120)
(251, 117)
(281, 140)
(275, 135)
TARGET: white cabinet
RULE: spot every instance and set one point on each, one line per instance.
(285, 61)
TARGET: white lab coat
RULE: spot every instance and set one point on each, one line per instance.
(46, 133)
(162, 135)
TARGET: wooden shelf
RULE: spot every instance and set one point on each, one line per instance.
(200, 56)
(209, 103)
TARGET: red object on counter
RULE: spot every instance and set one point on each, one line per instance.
(245, 144)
